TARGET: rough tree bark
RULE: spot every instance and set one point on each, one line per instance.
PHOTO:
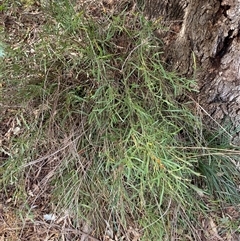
(209, 36)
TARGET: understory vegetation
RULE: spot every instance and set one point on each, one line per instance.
(95, 132)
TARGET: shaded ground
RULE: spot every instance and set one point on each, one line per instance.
(22, 24)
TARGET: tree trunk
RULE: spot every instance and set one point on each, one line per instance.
(207, 44)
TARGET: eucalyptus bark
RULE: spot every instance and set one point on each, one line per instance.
(209, 41)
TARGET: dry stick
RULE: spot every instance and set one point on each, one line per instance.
(168, 207)
(125, 61)
(68, 230)
(211, 117)
(230, 151)
(52, 154)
